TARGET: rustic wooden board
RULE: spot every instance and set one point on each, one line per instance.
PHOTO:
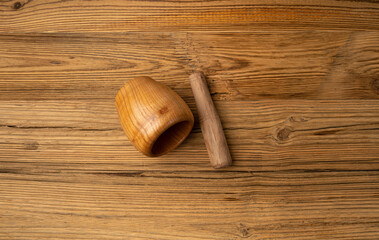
(296, 85)
(194, 205)
(263, 136)
(185, 15)
(240, 66)
(302, 170)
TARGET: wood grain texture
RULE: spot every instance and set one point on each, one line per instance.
(295, 84)
(239, 66)
(196, 205)
(309, 172)
(185, 15)
(288, 135)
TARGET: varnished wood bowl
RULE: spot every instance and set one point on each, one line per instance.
(154, 118)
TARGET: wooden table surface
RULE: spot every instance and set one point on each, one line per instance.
(296, 84)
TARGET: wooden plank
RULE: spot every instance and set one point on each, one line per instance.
(183, 15)
(189, 205)
(302, 170)
(301, 65)
(263, 136)
(239, 66)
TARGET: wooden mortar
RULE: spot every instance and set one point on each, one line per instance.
(154, 118)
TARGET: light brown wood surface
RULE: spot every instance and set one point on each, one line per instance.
(186, 15)
(295, 84)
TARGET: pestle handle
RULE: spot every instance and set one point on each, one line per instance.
(210, 123)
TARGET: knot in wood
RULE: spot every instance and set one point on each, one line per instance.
(375, 85)
(283, 134)
(31, 145)
(163, 110)
(244, 230)
(17, 5)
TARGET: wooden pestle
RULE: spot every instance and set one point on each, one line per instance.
(210, 123)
